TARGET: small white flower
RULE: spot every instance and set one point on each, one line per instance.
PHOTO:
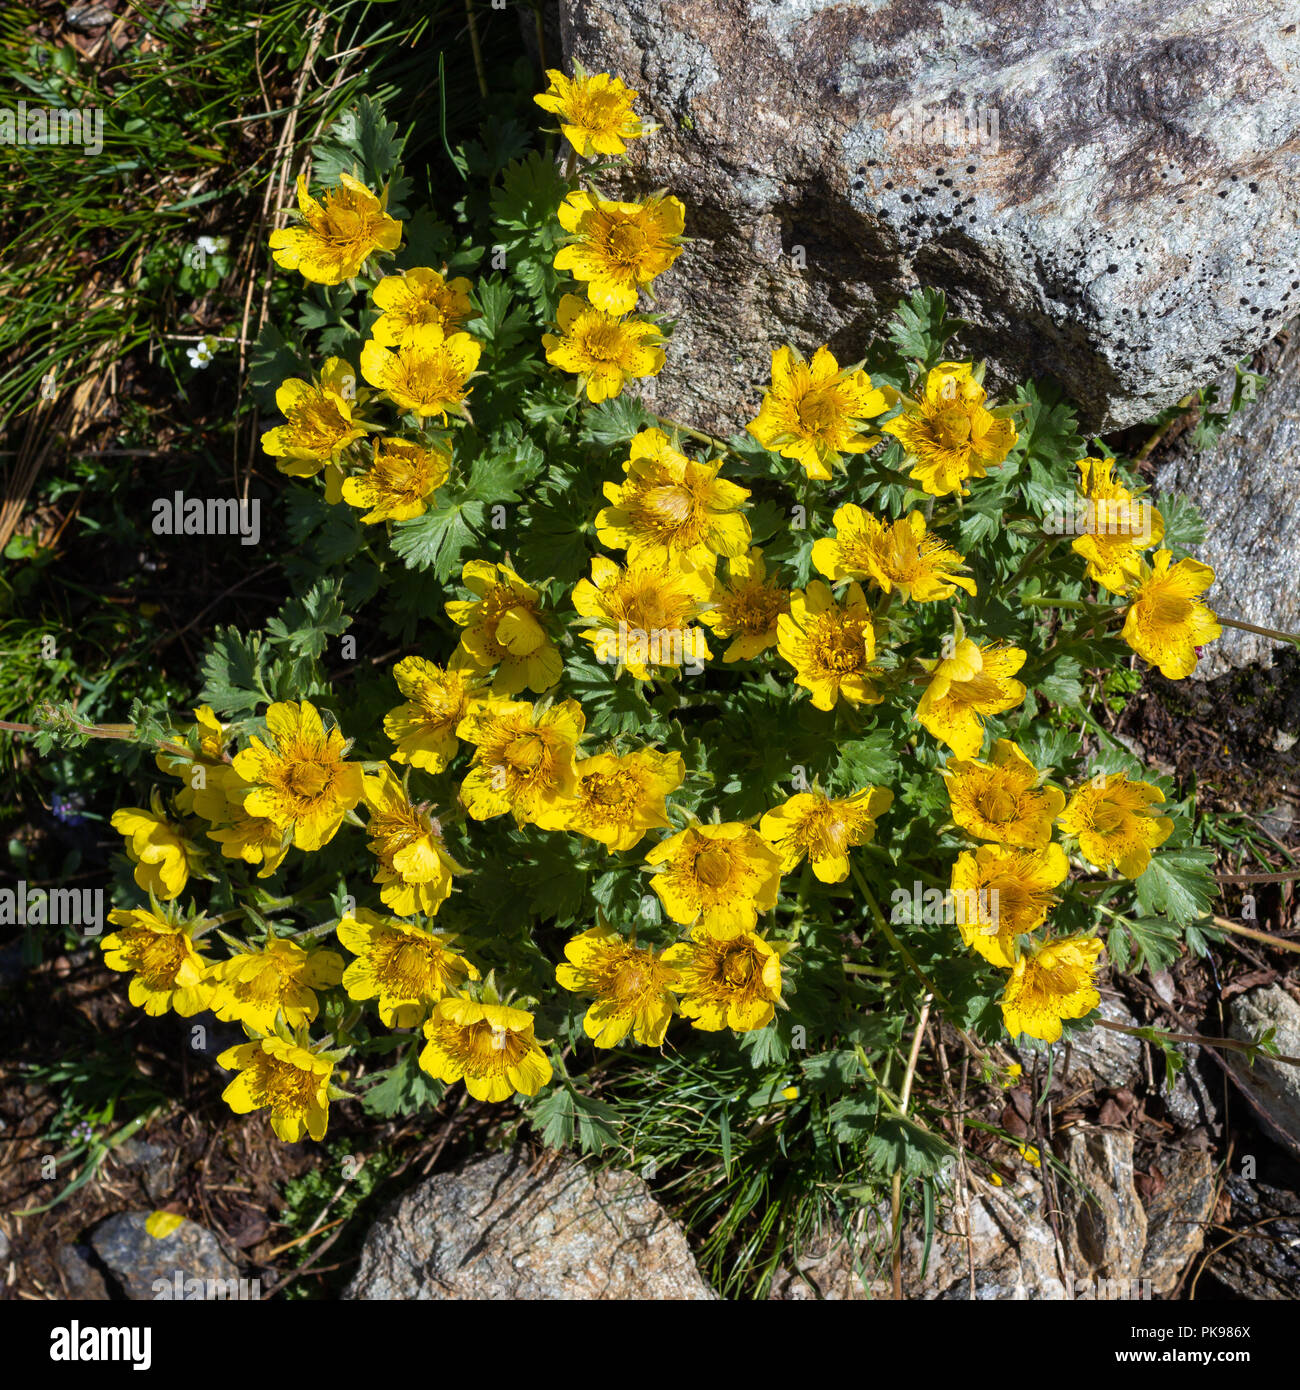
(210, 245)
(201, 354)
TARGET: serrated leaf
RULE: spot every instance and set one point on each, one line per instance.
(1178, 883)
(438, 539)
(900, 1146)
(615, 422)
(1184, 525)
(1151, 943)
(402, 1089)
(766, 1046)
(562, 1115)
(1048, 431)
(232, 672)
(920, 327)
(364, 143)
(867, 761)
(304, 624)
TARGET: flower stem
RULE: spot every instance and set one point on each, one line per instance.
(909, 960)
(1200, 1039)
(476, 49)
(721, 445)
(896, 1187)
(1291, 637)
(1035, 601)
(1223, 924)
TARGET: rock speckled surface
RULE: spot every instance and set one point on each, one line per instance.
(505, 1228)
(1107, 188)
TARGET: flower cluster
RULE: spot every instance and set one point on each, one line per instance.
(490, 735)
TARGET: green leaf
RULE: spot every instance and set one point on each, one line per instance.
(615, 422)
(1048, 431)
(232, 672)
(304, 624)
(562, 1114)
(1151, 943)
(438, 539)
(1060, 683)
(365, 144)
(899, 1146)
(402, 1089)
(867, 761)
(921, 327)
(766, 1046)
(272, 361)
(829, 1073)
(500, 474)
(1184, 525)
(852, 1118)
(530, 191)
(1179, 883)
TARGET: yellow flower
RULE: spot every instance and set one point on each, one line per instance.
(428, 374)
(822, 829)
(1120, 527)
(402, 477)
(414, 298)
(830, 645)
(900, 555)
(170, 971)
(632, 986)
(505, 629)
(1167, 624)
(974, 682)
(816, 412)
(644, 613)
(617, 799)
(1112, 820)
(999, 894)
(289, 1080)
(206, 772)
(424, 729)
(618, 247)
(415, 871)
(163, 856)
(747, 607)
(721, 876)
(604, 352)
(948, 433)
(673, 506)
(524, 758)
(320, 420)
(1004, 799)
(727, 982)
(302, 781)
(405, 967)
(338, 235)
(252, 987)
(490, 1047)
(254, 839)
(595, 111)
(1053, 983)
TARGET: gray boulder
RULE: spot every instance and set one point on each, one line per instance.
(1107, 192)
(1177, 1218)
(188, 1264)
(506, 1227)
(1272, 1087)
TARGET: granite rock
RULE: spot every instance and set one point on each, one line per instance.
(506, 1227)
(1106, 191)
